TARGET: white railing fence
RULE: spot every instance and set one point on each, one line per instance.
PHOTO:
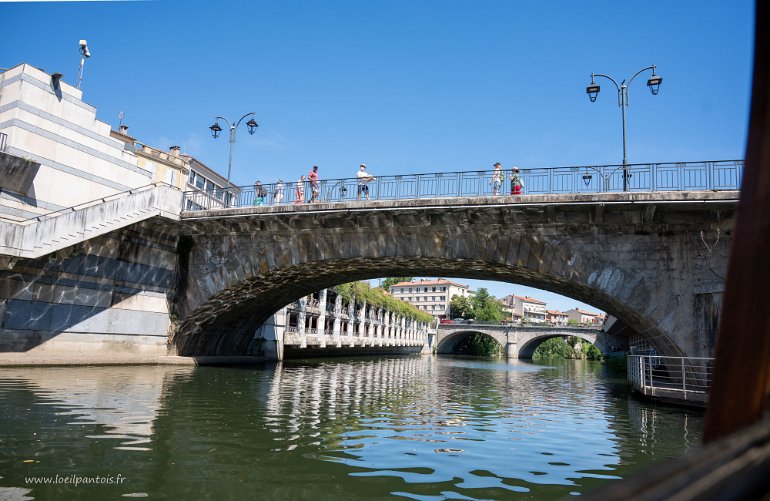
(682, 377)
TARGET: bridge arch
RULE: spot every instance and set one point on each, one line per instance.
(527, 349)
(447, 343)
(236, 270)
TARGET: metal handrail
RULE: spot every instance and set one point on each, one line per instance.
(714, 175)
(680, 375)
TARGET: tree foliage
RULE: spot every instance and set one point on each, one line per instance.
(569, 347)
(460, 307)
(483, 307)
(377, 297)
(486, 307)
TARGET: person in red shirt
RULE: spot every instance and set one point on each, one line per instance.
(313, 178)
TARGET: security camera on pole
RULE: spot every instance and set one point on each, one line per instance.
(86, 54)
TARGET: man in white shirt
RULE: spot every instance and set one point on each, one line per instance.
(363, 182)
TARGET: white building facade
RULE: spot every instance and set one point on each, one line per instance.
(430, 296)
(525, 309)
(45, 122)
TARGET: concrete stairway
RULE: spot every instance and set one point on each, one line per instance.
(48, 233)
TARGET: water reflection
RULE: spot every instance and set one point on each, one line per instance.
(124, 400)
(421, 428)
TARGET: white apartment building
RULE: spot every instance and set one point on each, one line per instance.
(430, 296)
(525, 309)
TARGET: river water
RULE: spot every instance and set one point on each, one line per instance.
(424, 428)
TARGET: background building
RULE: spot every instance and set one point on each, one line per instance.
(584, 317)
(555, 317)
(54, 153)
(50, 138)
(204, 179)
(525, 309)
(165, 166)
(430, 296)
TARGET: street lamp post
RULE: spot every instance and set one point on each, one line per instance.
(216, 129)
(593, 91)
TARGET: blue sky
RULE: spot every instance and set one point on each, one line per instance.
(404, 86)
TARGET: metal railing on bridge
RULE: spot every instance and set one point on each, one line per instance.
(682, 378)
(679, 176)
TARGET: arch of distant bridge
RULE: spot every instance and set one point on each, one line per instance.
(517, 341)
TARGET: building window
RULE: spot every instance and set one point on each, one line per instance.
(434, 290)
(443, 289)
(171, 177)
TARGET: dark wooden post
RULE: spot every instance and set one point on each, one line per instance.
(740, 389)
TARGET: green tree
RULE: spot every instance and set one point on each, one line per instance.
(556, 347)
(559, 347)
(486, 307)
(460, 307)
(388, 282)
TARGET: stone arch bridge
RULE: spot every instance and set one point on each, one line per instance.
(656, 261)
(517, 341)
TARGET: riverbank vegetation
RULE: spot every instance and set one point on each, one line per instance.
(571, 347)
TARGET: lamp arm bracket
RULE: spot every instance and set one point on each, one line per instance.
(652, 67)
(617, 86)
(244, 116)
(226, 121)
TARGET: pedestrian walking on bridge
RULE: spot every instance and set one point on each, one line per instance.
(498, 176)
(517, 183)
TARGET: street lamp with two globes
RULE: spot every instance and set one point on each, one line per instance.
(216, 129)
(593, 91)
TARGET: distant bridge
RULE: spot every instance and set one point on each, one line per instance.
(517, 341)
